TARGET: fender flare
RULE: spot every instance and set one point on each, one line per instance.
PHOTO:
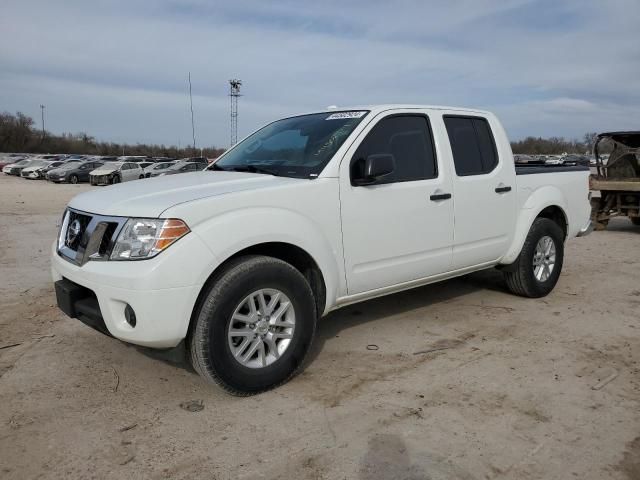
(248, 225)
(543, 197)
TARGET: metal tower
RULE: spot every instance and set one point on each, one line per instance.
(234, 93)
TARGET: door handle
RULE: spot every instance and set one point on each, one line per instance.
(503, 189)
(440, 196)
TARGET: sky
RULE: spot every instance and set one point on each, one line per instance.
(118, 69)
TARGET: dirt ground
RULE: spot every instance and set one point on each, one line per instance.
(512, 387)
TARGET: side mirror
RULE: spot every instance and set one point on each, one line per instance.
(376, 167)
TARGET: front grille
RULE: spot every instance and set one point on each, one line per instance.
(106, 244)
(73, 239)
(95, 237)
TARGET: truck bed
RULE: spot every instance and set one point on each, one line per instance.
(530, 169)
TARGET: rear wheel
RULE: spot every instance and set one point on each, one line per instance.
(254, 327)
(73, 179)
(538, 267)
(635, 221)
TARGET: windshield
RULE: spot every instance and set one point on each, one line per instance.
(37, 163)
(292, 147)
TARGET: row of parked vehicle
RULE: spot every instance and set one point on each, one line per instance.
(564, 159)
(97, 170)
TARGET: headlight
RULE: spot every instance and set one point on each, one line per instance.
(144, 237)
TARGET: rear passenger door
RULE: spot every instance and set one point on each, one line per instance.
(128, 173)
(400, 229)
(83, 172)
(483, 192)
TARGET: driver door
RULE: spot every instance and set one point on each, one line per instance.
(400, 228)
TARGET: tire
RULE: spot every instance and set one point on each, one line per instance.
(115, 179)
(208, 344)
(73, 179)
(140, 177)
(635, 221)
(521, 278)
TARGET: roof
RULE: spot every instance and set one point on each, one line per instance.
(393, 106)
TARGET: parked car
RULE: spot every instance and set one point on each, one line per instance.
(574, 159)
(16, 168)
(11, 158)
(43, 171)
(164, 159)
(156, 168)
(35, 168)
(179, 167)
(116, 172)
(309, 214)
(133, 158)
(73, 172)
(145, 164)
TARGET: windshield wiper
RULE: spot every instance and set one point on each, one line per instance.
(254, 169)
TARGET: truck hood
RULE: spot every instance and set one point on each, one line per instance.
(150, 197)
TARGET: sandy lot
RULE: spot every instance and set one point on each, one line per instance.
(516, 388)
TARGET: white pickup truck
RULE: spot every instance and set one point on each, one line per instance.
(304, 216)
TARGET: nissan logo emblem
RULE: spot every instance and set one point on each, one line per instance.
(73, 231)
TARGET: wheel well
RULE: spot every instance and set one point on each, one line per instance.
(293, 255)
(555, 214)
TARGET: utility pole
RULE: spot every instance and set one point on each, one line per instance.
(42, 107)
(193, 128)
(234, 94)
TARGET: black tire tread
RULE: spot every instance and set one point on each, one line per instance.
(196, 347)
(517, 280)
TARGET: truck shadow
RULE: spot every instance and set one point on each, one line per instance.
(400, 303)
(369, 311)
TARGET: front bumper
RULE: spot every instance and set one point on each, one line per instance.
(100, 179)
(30, 175)
(161, 291)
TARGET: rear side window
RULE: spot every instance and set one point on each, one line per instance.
(408, 138)
(472, 144)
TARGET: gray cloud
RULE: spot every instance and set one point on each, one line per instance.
(119, 69)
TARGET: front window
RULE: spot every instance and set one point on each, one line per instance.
(293, 147)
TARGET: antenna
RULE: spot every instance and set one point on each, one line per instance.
(193, 128)
(234, 93)
(42, 107)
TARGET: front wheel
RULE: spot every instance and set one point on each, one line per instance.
(254, 326)
(73, 179)
(538, 267)
(115, 179)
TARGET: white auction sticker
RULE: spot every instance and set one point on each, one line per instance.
(340, 115)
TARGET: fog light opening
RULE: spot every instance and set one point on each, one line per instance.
(130, 316)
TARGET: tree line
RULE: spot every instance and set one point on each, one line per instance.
(19, 134)
(555, 145)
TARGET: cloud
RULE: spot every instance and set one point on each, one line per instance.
(119, 69)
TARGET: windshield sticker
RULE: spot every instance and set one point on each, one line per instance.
(341, 115)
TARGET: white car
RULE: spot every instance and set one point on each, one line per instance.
(156, 168)
(16, 168)
(116, 172)
(34, 170)
(307, 215)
